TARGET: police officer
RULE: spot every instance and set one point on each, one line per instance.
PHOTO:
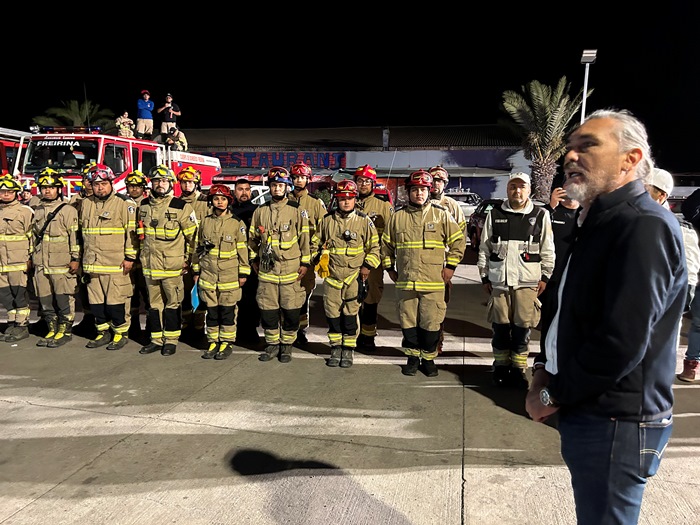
(315, 208)
(110, 247)
(379, 211)
(136, 188)
(516, 259)
(222, 251)
(190, 180)
(56, 259)
(352, 243)
(168, 227)
(278, 240)
(421, 248)
(15, 239)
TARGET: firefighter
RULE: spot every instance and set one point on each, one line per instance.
(168, 230)
(315, 209)
(16, 242)
(421, 248)
(56, 259)
(351, 240)
(222, 252)
(437, 195)
(278, 241)
(110, 247)
(379, 211)
(136, 185)
(190, 180)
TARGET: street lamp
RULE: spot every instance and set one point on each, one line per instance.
(587, 58)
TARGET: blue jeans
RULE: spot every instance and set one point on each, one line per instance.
(609, 462)
(693, 351)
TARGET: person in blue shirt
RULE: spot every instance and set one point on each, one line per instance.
(144, 115)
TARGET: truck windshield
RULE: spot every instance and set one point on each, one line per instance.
(71, 156)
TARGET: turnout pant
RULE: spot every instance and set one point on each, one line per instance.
(14, 297)
(165, 314)
(512, 313)
(368, 309)
(420, 315)
(109, 294)
(341, 309)
(221, 313)
(280, 305)
(56, 294)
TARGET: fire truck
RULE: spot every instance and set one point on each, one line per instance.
(10, 146)
(69, 149)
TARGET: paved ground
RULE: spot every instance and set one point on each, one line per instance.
(91, 436)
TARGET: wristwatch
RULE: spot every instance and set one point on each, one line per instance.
(546, 399)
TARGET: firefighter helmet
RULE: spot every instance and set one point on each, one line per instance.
(301, 169)
(100, 172)
(220, 189)
(366, 171)
(438, 172)
(162, 172)
(419, 178)
(88, 167)
(49, 178)
(136, 178)
(8, 182)
(278, 174)
(190, 173)
(346, 188)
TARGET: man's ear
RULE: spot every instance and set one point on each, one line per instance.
(632, 158)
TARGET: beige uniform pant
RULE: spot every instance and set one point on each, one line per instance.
(14, 297)
(110, 300)
(165, 315)
(341, 308)
(512, 313)
(281, 301)
(420, 315)
(56, 294)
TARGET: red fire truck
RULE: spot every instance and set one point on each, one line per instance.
(69, 150)
(10, 140)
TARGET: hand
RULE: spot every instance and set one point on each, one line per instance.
(447, 274)
(256, 266)
(29, 266)
(557, 195)
(73, 267)
(185, 268)
(241, 281)
(127, 266)
(541, 285)
(364, 273)
(302, 272)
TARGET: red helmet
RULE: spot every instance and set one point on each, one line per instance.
(301, 169)
(419, 178)
(220, 189)
(99, 172)
(366, 171)
(346, 188)
(438, 172)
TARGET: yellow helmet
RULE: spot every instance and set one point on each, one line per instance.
(49, 177)
(8, 182)
(136, 178)
(162, 172)
(190, 174)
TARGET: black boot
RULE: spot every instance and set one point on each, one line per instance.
(517, 378)
(168, 349)
(53, 328)
(334, 359)
(285, 353)
(150, 348)
(271, 351)
(501, 375)
(63, 335)
(301, 337)
(211, 351)
(346, 357)
(16, 333)
(225, 350)
(366, 342)
(430, 369)
(411, 366)
(102, 339)
(119, 341)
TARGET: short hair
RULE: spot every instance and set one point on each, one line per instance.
(632, 134)
(241, 181)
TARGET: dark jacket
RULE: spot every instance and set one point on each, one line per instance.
(620, 310)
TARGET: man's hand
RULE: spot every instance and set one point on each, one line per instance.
(185, 268)
(256, 266)
(241, 281)
(533, 406)
(364, 272)
(73, 267)
(447, 274)
(557, 195)
(127, 266)
(541, 285)
(30, 265)
(301, 272)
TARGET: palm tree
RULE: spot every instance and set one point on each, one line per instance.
(542, 114)
(74, 113)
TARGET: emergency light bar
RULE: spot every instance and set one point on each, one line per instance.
(66, 129)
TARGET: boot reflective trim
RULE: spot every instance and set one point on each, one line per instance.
(211, 351)
(119, 341)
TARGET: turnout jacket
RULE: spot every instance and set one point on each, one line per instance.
(314, 207)
(167, 228)
(621, 304)
(222, 251)
(15, 236)
(419, 242)
(59, 244)
(284, 228)
(200, 205)
(377, 210)
(108, 229)
(453, 207)
(351, 242)
(517, 246)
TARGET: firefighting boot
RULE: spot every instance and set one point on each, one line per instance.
(63, 335)
(271, 351)
(690, 367)
(285, 353)
(102, 339)
(17, 333)
(411, 367)
(53, 328)
(225, 350)
(430, 369)
(346, 357)
(501, 374)
(150, 348)
(517, 378)
(366, 342)
(119, 341)
(168, 349)
(334, 359)
(211, 351)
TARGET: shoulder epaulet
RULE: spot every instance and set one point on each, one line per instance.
(399, 208)
(439, 206)
(202, 197)
(177, 203)
(145, 202)
(293, 204)
(360, 213)
(124, 197)
(329, 214)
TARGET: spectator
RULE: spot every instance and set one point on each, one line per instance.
(421, 248)
(516, 259)
(176, 139)
(125, 126)
(144, 116)
(170, 111)
(608, 354)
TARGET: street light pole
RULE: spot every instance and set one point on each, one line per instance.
(587, 58)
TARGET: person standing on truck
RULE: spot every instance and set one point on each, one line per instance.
(144, 116)
(56, 259)
(315, 209)
(168, 232)
(169, 111)
(16, 242)
(125, 126)
(110, 248)
(190, 180)
(176, 139)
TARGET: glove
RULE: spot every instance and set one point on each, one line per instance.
(322, 267)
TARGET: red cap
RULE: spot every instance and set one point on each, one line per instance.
(145, 91)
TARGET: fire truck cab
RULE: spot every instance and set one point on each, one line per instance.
(10, 147)
(69, 150)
